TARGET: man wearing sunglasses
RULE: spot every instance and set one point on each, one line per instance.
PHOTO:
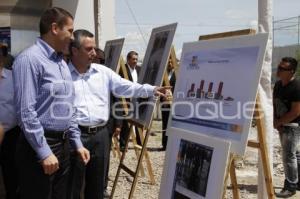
(286, 101)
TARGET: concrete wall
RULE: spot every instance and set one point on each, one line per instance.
(22, 16)
(83, 12)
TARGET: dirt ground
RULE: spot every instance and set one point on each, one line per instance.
(246, 170)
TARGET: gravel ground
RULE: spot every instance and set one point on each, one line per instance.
(246, 171)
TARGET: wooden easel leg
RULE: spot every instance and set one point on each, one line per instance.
(137, 148)
(135, 174)
(231, 171)
(147, 158)
(235, 190)
(227, 174)
(144, 147)
(119, 169)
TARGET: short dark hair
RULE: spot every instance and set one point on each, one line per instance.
(292, 62)
(78, 34)
(131, 53)
(53, 15)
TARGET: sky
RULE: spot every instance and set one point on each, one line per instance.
(136, 18)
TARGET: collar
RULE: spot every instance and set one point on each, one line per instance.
(171, 71)
(47, 50)
(131, 70)
(90, 71)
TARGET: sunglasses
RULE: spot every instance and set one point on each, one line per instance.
(280, 68)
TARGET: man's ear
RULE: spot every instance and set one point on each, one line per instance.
(74, 50)
(54, 28)
(293, 71)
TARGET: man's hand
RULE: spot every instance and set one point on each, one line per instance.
(117, 131)
(84, 154)
(162, 91)
(169, 96)
(50, 164)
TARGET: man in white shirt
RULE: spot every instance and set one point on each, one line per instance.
(132, 59)
(93, 85)
(11, 132)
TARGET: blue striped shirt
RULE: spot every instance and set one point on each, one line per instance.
(44, 96)
(7, 105)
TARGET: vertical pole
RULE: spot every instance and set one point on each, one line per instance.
(265, 14)
(273, 31)
(97, 24)
(298, 29)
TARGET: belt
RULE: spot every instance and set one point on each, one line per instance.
(62, 135)
(91, 129)
(291, 125)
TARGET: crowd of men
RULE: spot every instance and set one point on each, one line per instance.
(55, 114)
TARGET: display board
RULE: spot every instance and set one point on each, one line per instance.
(194, 166)
(153, 68)
(5, 37)
(216, 87)
(112, 51)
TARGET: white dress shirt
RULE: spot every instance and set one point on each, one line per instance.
(170, 74)
(133, 73)
(92, 93)
(7, 109)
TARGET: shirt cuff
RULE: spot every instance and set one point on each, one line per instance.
(150, 89)
(43, 152)
(76, 143)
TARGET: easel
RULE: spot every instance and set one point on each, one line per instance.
(141, 151)
(122, 69)
(115, 146)
(261, 134)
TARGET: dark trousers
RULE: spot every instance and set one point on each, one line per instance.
(165, 117)
(91, 176)
(8, 150)
(125, 132)
(111, 128)
(34, 183)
